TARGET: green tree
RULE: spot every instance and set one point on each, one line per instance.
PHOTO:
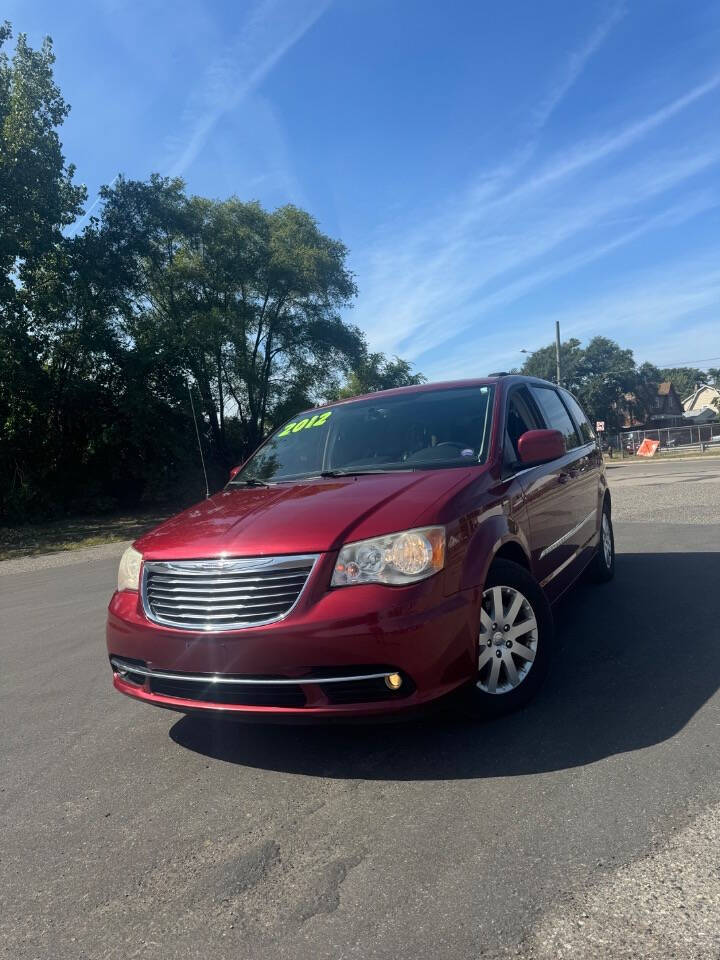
(37, 194)
(115, 420)
(102, 330)
(608, 375)
(684, 379)
(374, 372)
(244, 301)
(542, 363)
(37, 200)
(602, 375)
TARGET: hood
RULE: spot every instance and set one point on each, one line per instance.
(312, 516)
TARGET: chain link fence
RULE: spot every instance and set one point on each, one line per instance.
(698, 437)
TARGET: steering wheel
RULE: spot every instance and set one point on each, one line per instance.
(451, 443)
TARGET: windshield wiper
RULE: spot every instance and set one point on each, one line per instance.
(361, 473)
(250, 482)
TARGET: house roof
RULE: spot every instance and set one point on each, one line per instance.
(701, 415)
(701, 387)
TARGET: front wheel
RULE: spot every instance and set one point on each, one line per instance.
(515, 641)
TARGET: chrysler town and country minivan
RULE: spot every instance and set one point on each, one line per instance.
(373, 556)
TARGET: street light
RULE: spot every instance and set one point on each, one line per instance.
(557, 352)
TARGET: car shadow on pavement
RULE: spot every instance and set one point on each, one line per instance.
(636, 659)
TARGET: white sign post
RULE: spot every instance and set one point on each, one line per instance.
(600, 426)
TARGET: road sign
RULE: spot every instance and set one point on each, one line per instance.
(600, 426)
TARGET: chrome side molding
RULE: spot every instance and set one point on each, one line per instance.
(566, 536)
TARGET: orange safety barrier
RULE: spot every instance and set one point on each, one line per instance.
(647, 448)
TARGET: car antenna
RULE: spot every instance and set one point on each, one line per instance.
(197, 434)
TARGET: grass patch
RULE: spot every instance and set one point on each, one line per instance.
(71, 534)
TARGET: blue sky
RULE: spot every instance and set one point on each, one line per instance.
(493, 167)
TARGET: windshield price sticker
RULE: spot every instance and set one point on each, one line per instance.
(297, 425)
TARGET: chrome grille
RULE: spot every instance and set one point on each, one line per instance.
(224, 594)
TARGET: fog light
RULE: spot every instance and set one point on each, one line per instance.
(393, 681)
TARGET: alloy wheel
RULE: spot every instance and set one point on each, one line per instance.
(507, 641)
(607, 541)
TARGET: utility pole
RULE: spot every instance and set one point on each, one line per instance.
(557, 352)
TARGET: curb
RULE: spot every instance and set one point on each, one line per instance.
(648, 460)
(62, 558)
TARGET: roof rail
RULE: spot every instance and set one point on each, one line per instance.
(500, 373)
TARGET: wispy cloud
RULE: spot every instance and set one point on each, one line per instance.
(650, 300)
(593, 151)
(665, 314)
(491, 183)
(609, 210)
(425, 284)
(583, 156)
(575, 65)
(268, 32)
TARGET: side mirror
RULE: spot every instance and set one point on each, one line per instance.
(235, 471)
(539, 446)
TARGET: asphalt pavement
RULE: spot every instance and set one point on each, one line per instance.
(587, 825)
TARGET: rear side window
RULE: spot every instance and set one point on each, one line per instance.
(586, 431)
(556, 416)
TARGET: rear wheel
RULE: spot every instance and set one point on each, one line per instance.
(515, 640)
(602, 567)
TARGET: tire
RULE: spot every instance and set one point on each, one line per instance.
(602, 566)
(518, 677)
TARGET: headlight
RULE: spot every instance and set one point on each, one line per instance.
(396, 559)
(129, 571)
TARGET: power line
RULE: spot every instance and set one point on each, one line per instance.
(687, 363)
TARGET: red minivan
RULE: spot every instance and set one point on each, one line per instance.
(372, 557)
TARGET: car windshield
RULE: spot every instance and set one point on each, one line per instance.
(414, 431)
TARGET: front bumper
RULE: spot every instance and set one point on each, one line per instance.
(327, 659)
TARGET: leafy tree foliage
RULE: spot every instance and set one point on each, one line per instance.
(685, 379)
(244, 301)
(541, 363)
(37, 199)
(37, 195)
(603, 376)
(104, 330)
(375, 371)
